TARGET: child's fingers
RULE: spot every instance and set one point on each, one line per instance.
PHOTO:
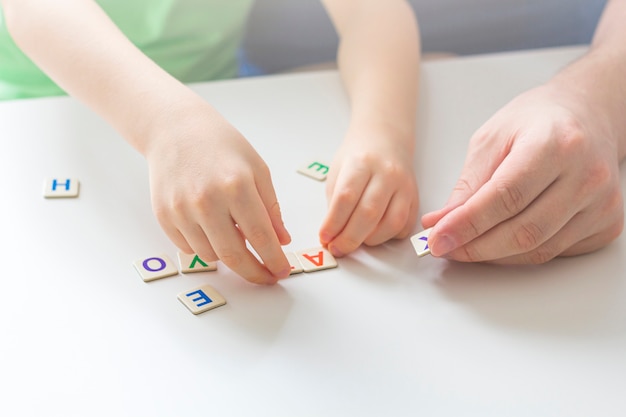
(347, 193)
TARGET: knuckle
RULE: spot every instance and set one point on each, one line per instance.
(599, 177)
(160, 212)
(258, 237)
(391, 169)
(347, 197)
(232, 185)
(365, 159)
(469, 253)
(369, 213)
(480, 139)
(168, 210)
(171, 204)
(541, 255)
(232, 259)
(178, 202)
(474, 228)
(510, 198)
(205, 253)
(198, 201)
(464, 185)
(571, 139)
(527, 237)
(275, 211)
(348, 244)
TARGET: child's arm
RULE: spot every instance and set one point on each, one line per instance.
(541, 177)
(210, 189)
(371, 188)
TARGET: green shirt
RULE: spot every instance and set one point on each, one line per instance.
(194, 40)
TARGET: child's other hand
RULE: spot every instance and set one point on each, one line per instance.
(371, 191)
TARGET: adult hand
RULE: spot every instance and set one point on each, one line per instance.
(541, 179)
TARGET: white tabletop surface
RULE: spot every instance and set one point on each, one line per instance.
(385, 333)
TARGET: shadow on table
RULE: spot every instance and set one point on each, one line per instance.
(567, 297)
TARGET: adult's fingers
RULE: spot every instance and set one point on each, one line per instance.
(521, 177)
(576, 238)
(483, 157)
(525, 232)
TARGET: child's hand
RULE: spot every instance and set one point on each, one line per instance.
(372, 193)
(211, 192)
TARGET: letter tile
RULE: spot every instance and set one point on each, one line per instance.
(420, 242)
(201, 299)
(316, 259)
(296, 268)
(156, 267)
(60, 188)
(193, 263)
(314, 169)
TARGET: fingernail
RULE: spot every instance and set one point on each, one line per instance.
(443, 245)
(325, 238)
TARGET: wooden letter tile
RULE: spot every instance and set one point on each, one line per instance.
(314, 169)
(316, 259)
(201, 299)
(420, 242)
(156, 267)
(193, 263)
(60, 188)
(296, 268)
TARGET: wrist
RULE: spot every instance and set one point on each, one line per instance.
(401, 132)
(594, 86)
(163, 117)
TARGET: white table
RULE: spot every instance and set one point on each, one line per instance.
(385, 333)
